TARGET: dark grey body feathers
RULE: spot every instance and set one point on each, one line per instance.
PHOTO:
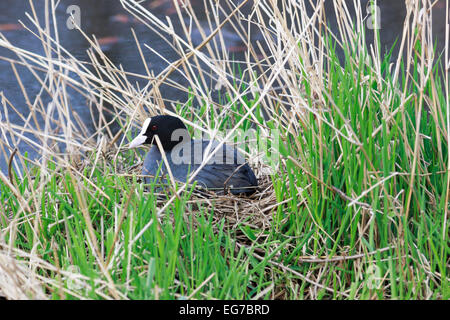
(227, 166)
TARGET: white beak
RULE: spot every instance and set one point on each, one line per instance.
(140, 139)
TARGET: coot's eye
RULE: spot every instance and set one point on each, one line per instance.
(154, 128)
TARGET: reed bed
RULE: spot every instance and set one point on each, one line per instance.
(356, 207)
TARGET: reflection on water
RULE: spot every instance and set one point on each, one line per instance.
(111, 25)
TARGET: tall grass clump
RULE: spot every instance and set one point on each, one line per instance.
(356, 207)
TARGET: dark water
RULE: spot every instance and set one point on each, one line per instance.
(111, 24)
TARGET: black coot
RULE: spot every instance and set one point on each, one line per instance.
(226, 170)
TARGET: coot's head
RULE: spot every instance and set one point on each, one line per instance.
(170, 130)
